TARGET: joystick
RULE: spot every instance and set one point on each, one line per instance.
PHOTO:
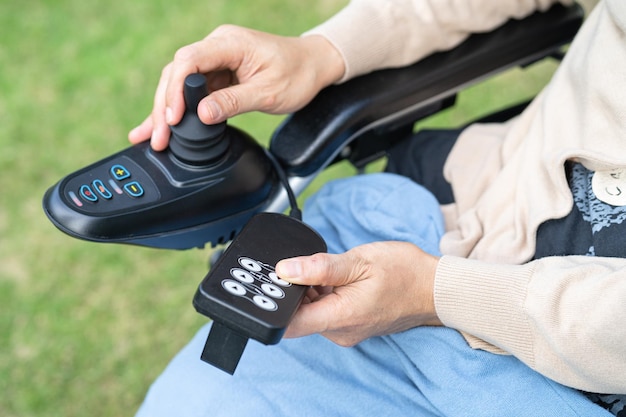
(192, 141)
(209, 182)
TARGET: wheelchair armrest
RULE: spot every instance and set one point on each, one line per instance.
(382, 101)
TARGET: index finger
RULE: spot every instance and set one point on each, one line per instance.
(212, 54)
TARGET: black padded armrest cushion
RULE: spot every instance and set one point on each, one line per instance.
(309, 138)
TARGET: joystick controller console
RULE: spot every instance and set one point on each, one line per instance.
(209, 182)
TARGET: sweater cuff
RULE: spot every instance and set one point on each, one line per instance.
(362, 48)
(486, 301)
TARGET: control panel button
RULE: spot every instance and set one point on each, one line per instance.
(102, 190)
(75, 199)
(133, 189)
(265, 303)
(234, 288)
(119, 172)
(115, 187)
(87, 194)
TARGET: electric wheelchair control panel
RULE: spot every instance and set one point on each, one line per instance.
(202, 189)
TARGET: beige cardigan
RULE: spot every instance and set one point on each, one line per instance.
(563, 316)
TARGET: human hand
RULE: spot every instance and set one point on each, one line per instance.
(372, 290)
(246, 70)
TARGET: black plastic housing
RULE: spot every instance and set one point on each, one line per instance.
(370, 112)
(266, 239)
(164, 203)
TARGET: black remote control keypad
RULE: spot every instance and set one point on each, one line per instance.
(243, 294)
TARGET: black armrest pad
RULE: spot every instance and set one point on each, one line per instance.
(311, 137)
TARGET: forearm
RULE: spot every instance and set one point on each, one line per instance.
(562, 316)
(371, 34)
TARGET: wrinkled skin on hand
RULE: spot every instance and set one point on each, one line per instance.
(372, 290)
(246, 70)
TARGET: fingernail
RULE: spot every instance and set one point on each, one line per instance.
(168, 115)
(215, 111)
(289, 268)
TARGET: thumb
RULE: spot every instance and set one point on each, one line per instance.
(227, 102)
(321, 269)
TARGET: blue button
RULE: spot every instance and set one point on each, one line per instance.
(87, 194)
(102, 190)
(133, 189)
(119, 172)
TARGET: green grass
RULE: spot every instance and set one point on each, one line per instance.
(84, 327)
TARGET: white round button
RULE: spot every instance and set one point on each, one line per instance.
(250, 264)
(265, 303)
(278, 281)
(272, 290)
(241, 275)
(234, 287)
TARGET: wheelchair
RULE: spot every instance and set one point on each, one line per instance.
(358, 121)
(192, 195)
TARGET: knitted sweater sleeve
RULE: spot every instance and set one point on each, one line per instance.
(374, 34)
(562, 316)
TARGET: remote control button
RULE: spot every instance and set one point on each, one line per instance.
(233, 287)
(274, 277)
(87, 194)
(133, 189)
(102, 190)
(272, 290)
(250, 264)
(119, 172)
(115, 187)
(241, 275)
(265, 303)
(75, 199)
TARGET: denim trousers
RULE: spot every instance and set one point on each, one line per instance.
(425, 371)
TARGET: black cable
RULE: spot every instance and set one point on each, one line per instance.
(282, 176)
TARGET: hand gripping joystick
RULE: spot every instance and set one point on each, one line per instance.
(203, 188)
(193, 142)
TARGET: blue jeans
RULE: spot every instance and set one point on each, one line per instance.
(424, 371)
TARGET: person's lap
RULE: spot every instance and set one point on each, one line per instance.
(423, 371)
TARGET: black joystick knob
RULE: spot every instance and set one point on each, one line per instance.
(192, 141)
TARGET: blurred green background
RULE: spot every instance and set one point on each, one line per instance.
(85, 327)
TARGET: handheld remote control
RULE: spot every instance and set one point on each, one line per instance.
(242, 293)
(209, 182)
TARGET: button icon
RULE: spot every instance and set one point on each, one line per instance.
(241, 275)
(115, 187)
(87, 194)
(250, 264)
(102, 190)
(133, 189)
(272, 290)
(75, 199)
(274, 277)
(233, 287)
(265, 303)
(119, 172)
